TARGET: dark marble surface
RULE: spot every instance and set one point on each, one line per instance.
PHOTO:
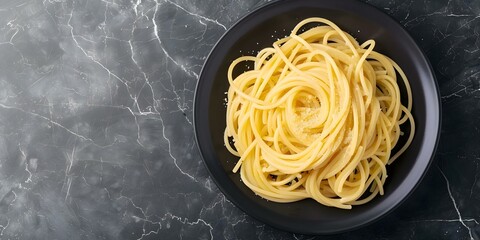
(96, 136)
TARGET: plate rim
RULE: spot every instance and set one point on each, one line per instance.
(386, 211)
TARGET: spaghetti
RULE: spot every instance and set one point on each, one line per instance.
(317, 117)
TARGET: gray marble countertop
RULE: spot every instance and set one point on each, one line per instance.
(96, 135)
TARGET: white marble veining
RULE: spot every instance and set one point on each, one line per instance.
(96, 135)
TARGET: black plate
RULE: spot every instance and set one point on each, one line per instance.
(258, 30)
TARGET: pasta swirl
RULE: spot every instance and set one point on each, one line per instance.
(317, 117)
